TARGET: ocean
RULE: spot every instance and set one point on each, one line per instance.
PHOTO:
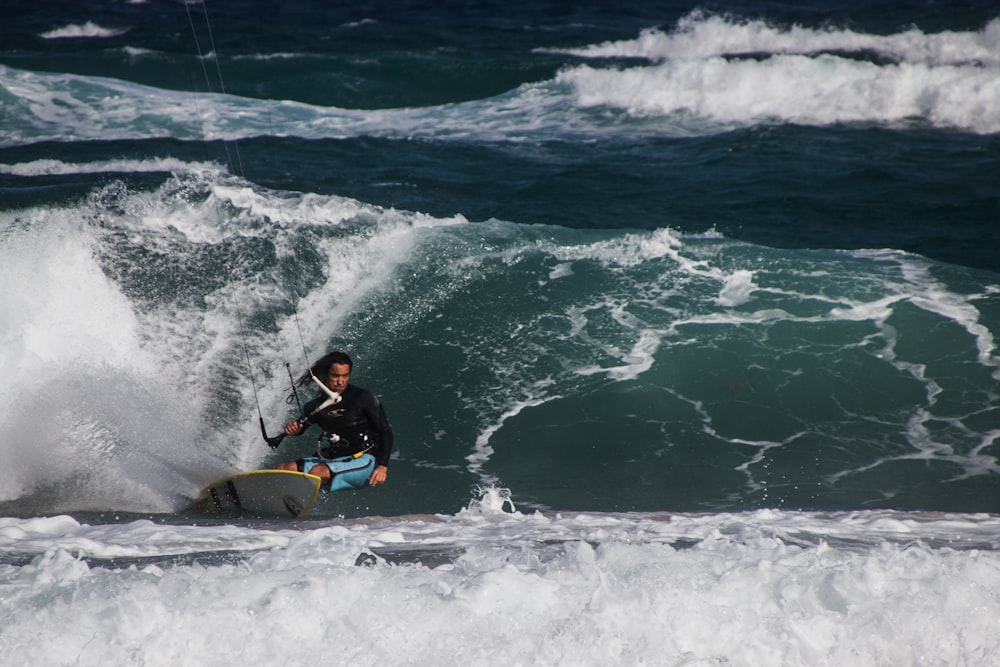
(685, 317)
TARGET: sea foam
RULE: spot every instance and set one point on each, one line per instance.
(84, 30)
(483, 586)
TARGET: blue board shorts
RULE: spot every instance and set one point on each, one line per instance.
(346, 472)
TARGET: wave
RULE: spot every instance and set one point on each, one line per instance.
(700, 36)
(819, 91)
(671, 99)
(50, 167)
(85, 30)
(750, 72)
(709, 75)
(735, 358)
(120, 323)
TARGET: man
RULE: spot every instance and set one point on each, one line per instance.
(356, 439)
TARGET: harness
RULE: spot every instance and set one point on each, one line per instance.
(328, 442)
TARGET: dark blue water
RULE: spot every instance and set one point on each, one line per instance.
(611, 256)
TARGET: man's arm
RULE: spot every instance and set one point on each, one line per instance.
(296, 426)
(380, 422)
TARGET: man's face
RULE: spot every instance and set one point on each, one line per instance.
(338, 376)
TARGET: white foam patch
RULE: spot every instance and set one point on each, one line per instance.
(585, 589)
(59, 167)
(132, 540)
(737, 289)
(798, 75)
(84, 30)
(822, 90)
(48, 309)
(561, 270)
(701, 36)
(80, 380)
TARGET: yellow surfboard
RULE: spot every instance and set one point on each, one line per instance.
(262, 492)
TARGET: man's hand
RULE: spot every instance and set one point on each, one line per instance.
(293, 428)
(378, 475)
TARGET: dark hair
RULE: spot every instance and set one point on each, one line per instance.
(322, 367)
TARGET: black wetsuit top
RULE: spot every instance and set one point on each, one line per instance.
(358, 419)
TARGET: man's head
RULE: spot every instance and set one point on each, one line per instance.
(335, 370)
